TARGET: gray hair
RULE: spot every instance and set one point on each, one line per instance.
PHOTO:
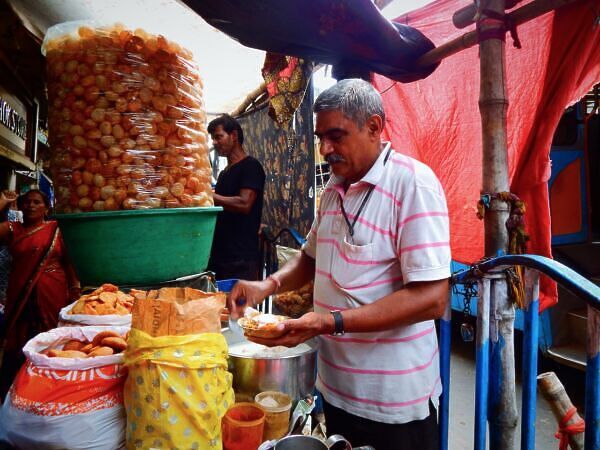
(357, 99)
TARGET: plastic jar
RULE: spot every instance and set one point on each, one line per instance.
(242, 427)
(277, 406)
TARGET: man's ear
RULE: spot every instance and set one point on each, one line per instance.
(375, 126)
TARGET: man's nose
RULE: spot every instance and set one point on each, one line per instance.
(325, 147)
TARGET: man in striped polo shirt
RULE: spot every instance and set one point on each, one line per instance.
(379, 254)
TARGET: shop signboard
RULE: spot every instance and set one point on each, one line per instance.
(13, 122)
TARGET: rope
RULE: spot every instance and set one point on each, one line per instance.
(517, 239)
(564, 430)
(499, 24)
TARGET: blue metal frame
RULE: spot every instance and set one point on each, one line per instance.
(592, 378)
(530, 360)
(579, 286)
(445, 343)
(482, 364)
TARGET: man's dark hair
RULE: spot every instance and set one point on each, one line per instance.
(22, 197)
(229, 125)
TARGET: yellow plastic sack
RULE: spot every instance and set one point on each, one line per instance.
(177, 391)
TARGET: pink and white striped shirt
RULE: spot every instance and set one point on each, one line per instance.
(401, 236)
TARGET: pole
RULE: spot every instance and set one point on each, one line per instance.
(493, 103)
(560, 403)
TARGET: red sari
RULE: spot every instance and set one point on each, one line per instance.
(38, 287)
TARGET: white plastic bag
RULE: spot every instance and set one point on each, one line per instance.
(66, 403)
(66, 319)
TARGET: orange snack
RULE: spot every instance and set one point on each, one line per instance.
(101, 351)
(126, 122)
(116, 343)
(104, 334)
(106, 300)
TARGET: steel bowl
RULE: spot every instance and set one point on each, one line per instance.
(253, 373)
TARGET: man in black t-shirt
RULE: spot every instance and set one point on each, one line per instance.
(239, 190)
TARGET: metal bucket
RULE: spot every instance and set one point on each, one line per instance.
(292, 372)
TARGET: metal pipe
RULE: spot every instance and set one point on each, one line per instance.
(445, 341)
(592, 380)
(482, 363)
(530, 353)
(502, 408)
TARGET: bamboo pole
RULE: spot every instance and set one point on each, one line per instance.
(524, 14)
(467, 15)
(250, 98)
(493, 103)
(560, 403)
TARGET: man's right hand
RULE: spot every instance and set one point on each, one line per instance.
(248, 293)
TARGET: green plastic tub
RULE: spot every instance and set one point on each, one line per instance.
(138, 247)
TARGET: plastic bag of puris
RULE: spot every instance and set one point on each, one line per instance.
(66, 402)
(178, 387)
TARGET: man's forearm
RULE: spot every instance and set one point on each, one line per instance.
(414, 303)
(232, 204)
(296, 272)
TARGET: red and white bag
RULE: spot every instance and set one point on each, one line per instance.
(66, 403)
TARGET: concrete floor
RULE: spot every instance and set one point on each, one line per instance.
(462, 398)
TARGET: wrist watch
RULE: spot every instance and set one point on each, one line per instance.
(338, 321)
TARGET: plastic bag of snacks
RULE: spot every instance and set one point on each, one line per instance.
(126, 121)
(106, 305)
(178, 387)
(64, 398)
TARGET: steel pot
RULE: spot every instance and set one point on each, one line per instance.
(292, 372)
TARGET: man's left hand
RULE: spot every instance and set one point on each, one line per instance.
(297, 331)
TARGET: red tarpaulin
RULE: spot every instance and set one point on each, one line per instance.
(437, 120)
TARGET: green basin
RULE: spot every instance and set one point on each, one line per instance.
(139, 247)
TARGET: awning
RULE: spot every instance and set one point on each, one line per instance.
(333, 32)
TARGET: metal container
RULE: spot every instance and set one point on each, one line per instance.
(294, 374)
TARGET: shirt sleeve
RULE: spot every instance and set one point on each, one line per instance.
(310, 246)
(253, 176)
(423, 238)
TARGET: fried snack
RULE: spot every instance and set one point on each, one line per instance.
(116, 343)
(74, 344)
(87, 347)
(101, 351)
(54, 353)
(102, 335)
(126, 122)
(297, 302)
(104, 343)
(106, 300)
(262, 325)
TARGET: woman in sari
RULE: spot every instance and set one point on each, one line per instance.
(41, 281)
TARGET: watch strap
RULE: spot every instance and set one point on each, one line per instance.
(338, 321)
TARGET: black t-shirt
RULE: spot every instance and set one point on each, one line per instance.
(236, 234)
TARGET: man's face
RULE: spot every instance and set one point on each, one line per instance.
(344, 145)
(223, 142)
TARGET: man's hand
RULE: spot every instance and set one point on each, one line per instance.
(297, 331)
(247, 293)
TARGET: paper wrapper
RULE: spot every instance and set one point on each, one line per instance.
(178, 311)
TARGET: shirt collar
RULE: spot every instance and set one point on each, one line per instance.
(375, 172)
